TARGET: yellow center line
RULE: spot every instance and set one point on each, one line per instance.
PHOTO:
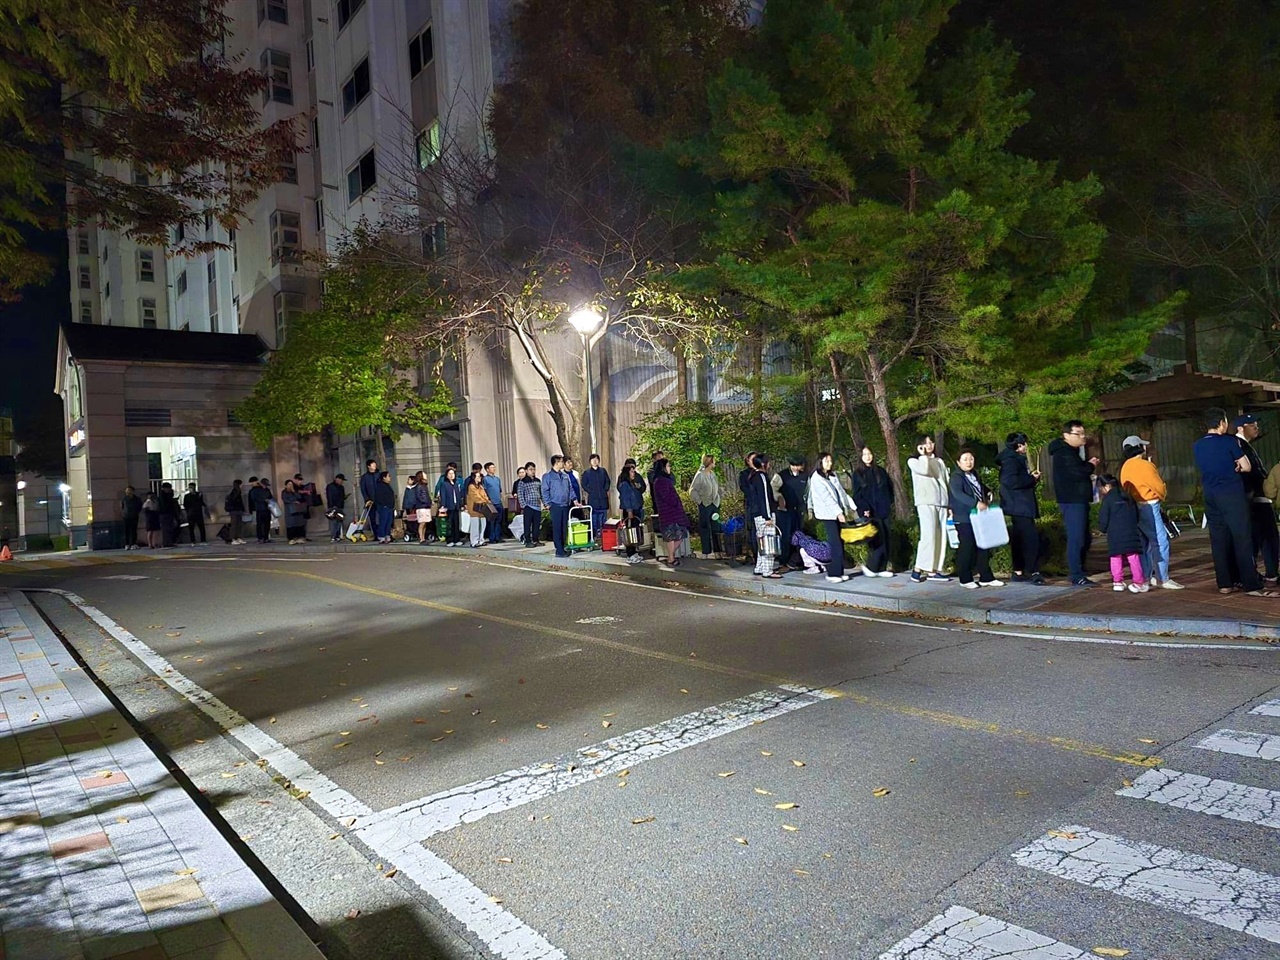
(960, 722)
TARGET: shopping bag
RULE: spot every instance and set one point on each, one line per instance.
(989, 530)
(953, 535)
(464, 521)
(274, 509)
(224, 533)
(517, 528)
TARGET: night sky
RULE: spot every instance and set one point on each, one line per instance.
(29, 337)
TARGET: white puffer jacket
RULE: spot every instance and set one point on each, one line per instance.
(828, 499)
(930, 480)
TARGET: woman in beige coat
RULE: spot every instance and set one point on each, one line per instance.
(479, 507)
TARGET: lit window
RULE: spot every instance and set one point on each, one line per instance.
(85, 278)
(420, 52)
(362, 177)
(182, 283)
(429, 145)
(277, 11)
(146, 266)
(86, 311)
(286, 236)
(148, 313)
(275, 64)
(289, 306)
(346, 10)
(356, 88)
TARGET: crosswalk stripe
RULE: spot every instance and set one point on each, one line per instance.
(1269, 709)
(1222, 893)
(961, 934)
(1243, 743)
(1217, 798)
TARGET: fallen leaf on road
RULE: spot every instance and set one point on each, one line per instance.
(122, 819)
(763, 792)
(352, 913)
(1110, 951)
(644, 819)
(797, 763)
(344, 733)
(227, 776)
(880, 792)
(790, 806)
(436, 739)
(495, 899)
(789, 828)
(333, 836)
(505, 860)
(173, 634)
(446, 711)
(726, 774)
(800, 873)
(1126, 782)
(419, 720)
(184, 873)
(1063, 835)
(543, 726)
(1147, 740)
(199, 741)
(341, 744)
(766, 753)
(405, 759)
(390, 873)
(272, 720)
(741, 840)
(379, 762)
(683, 690)
(1022, 793)
(606, 723)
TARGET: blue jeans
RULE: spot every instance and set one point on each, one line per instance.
(382, 517)
(497, 524)
(560, 528)
(1155, 562)
(1075, 517)
(598, 515)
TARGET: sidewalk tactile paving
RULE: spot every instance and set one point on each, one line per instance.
(113, 860)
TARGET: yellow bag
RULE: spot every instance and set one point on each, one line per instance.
(851, 534)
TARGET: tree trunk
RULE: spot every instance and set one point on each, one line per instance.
(757, 367)
(682, 373)
(837, 371)
(889, 430)
(604, 410)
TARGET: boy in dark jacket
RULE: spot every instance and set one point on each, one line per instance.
(1118, 519)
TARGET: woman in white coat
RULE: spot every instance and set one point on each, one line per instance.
(829, 503)
(930, 483)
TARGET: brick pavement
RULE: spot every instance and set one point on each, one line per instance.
(102, 853)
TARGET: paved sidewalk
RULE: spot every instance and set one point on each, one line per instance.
(102, 853)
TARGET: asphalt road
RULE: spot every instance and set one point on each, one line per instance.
(927, 765)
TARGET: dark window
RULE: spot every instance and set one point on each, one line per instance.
(146, 266)
(182, 283)
(286, 236)
(82, 241)
(362, 177)
(289, 172)
(420, 52)
(275, 64)
(346, 10)
(277, 11)
(85, 275)
(356, 88)
(148, 313)
(86, 311)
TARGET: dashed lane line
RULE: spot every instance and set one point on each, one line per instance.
(1217, 798)
(971, 724)
(962, 934)
(1216, 891)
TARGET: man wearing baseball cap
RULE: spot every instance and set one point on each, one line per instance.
(1222, 462)
(1262, 512)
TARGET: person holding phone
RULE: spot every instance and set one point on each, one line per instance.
(930, 482)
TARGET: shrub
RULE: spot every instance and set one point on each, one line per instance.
(39, 541)
(61, 543)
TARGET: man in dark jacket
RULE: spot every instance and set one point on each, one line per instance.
(169, 528)
(131, 510)
(259, 497)
(1018, 501)
(369, 483)
(193, 504)
(1073, 488)
(335, 500)
(234, 506)
(596, 484)
(1262, 512)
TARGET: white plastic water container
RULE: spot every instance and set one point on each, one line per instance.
(989, 530)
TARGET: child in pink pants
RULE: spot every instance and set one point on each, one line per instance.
(1118, 519)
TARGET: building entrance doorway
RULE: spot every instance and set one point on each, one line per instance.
(171, 459)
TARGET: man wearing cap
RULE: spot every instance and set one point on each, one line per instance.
(1144, 485)
(1221, 461)
(335, 499)
(1262, 512)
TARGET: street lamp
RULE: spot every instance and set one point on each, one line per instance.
(587, 321)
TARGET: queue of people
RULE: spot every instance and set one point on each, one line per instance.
(475, 507)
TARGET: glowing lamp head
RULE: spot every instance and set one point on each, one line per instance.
(63, 488)
(22, 484)
(586, 320)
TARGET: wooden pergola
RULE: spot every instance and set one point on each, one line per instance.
(1187, 393)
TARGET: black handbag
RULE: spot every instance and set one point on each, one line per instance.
(1170, 527)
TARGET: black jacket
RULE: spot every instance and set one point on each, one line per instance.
(872, 490)
(1072, 477)
(131, 506)
(759, 495)
(1254, 479)
(335, 495)
(234, 502)
(368, 485)
(384, 496)
(1118, 519)
(794, 488)
(963, 501)
(1017, 485)
(168, 504)
(193, 503)
(258, 497)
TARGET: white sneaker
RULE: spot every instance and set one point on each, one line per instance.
(1137, 588)
(867, 571)
(971, 585)
(1118, 587)
(992, 583)
(1143, 587)
(886, 572)
(1172, 585)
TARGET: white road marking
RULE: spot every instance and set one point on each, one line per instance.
(1269, 709)
(122, 576)
(1217, 798)
(599, 620)
(1222, 893)
(501, 931)
(864, 617)
(1243, 743)
(248, 559)
(418, 820)
(961, 934)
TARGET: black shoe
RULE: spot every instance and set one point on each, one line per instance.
(1039, 580)
(1083, 582)
(1019, 578)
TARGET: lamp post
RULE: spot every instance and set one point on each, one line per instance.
(587, 321)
